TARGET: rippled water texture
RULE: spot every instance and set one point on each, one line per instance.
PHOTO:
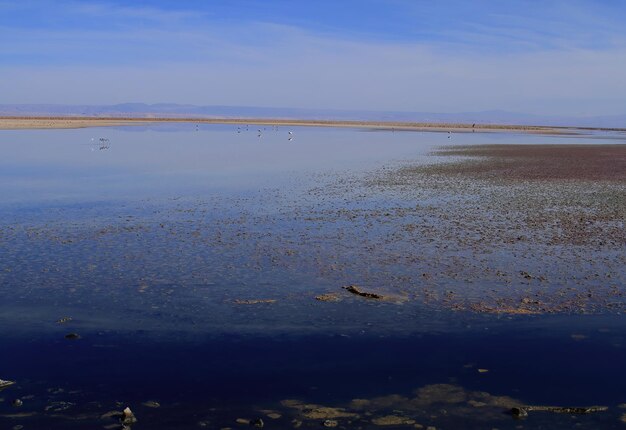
(200, 269)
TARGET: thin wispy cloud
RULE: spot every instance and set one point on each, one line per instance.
(562, 57)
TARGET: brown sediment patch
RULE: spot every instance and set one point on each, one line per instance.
(392, 420)
(602, 162)
(328, 297)
(485, 308)
(554, 214)
(426, 405)
(318, 412)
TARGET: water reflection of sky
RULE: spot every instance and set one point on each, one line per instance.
(155, 162)
(149, 244)
(175, 160)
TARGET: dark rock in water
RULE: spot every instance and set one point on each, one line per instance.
(519, 412)
(258, 423)
(355, 290)
(17, 403)
(72, 336)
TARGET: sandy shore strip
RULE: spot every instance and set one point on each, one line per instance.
(14, 123)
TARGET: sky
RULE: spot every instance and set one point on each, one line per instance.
(563, 57)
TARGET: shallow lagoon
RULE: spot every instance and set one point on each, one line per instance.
(189, 259)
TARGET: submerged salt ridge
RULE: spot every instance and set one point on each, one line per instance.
(160, 249)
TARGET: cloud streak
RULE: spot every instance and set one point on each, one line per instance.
(185, 58)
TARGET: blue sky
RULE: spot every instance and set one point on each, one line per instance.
(544, 57)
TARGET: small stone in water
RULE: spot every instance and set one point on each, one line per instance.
(330, 423)
(4, 384)
(128, 417)
(17, 403)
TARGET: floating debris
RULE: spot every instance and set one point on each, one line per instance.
(355, 290)
(128, 418)
(392, 420)
(72, 336)
(111, 414)
(58, 406)
(151, 404)
(64, 320)
(318, 412)
(253, 302)
(4, 384)
(522, 411)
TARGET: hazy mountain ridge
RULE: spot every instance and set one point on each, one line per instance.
(184, 110)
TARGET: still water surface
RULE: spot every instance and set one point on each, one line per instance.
(153, 239)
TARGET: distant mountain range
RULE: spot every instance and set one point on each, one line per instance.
(139, 110)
